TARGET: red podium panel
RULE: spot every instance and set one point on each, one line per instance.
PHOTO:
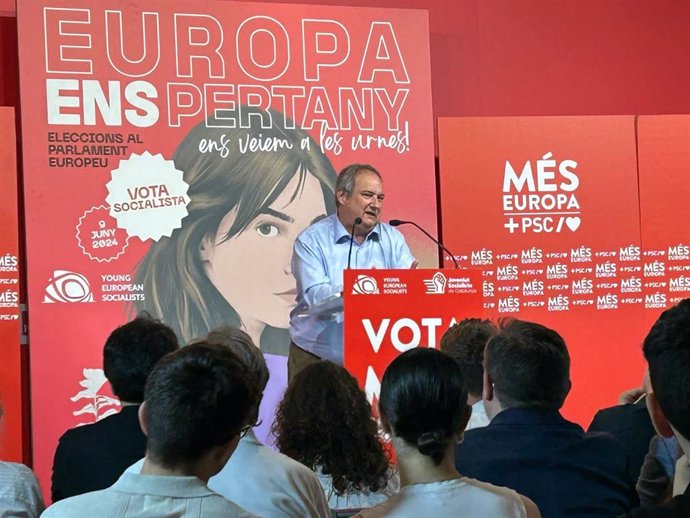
(10, 348)
(664, 161)
(388, 312)
(550, 211)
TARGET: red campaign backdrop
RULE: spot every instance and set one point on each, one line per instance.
(7, 8)
(101, 118)
(664, 156)
(501, 57)
(508, 58)
(549, 207)
(388, 312)
(10, 349)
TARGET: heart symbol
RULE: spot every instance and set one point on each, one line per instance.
(573, 223)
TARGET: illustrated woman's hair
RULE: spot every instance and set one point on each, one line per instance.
(176, 288)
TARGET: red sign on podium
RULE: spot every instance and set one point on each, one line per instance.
(388, 312)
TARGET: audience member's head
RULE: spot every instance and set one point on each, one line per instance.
(199, 400)
(424, 402)
(659, 421)
(465, 343)
(667, 351)
(525, 365)
(324, 422)
(131, 351)
(248, 353)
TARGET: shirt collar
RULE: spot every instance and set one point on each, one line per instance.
(528, 415)
(342, 235)
(250, 438)
(171, 486)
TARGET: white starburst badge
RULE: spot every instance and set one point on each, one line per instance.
(147, 196)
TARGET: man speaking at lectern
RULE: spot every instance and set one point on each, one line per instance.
(353, 237)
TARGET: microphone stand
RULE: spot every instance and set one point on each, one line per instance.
(397, 222)
(352, 240)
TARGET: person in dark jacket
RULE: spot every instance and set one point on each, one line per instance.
(667, 351)
(529, 446)
(94, 456)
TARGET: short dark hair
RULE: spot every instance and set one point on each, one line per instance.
(197, 398)
(324, 421)
(131, 351)
(348, 175)
(248, 353)
(667, 351)
(528, 364)
(423, 395)
(465, 343)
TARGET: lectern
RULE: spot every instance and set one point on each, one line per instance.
(387, 312)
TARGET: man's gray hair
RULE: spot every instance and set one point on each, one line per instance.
(346, 178)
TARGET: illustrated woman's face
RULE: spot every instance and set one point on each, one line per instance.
(252, 269)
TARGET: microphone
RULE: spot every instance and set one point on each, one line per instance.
(352, 240)
(397, 222)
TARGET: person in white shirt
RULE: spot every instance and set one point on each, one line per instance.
(19, 491)
(198, 402)
(423, 405)
(261, 480)
(465, 343)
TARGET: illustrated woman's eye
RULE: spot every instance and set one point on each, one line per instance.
(267, 230)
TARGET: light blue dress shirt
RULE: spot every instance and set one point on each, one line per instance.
(19, 492)
(270, 484)
(146, 496)
(318, 260)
